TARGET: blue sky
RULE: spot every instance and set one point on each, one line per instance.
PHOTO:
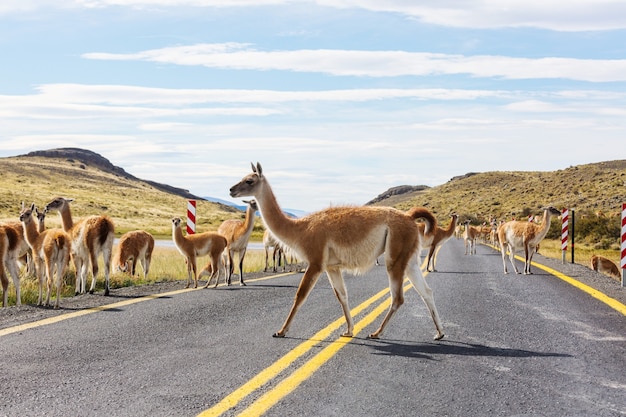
(338, 99)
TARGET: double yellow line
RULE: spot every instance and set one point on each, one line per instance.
(292, 381)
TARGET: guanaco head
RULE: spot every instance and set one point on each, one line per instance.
(176, 221)
(58, 204)
(552, 211)
(124, 265)
(41, 215)
(252, 204)
(26, 214)
(248, 184)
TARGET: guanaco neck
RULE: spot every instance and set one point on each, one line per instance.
(545, 224)
(177, 232)
(41, 227)
(249, 221)
(66, 218)
(30, 232)
(450, 230)
(281, 226)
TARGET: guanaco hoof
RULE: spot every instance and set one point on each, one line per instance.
(439, 336)
(373, 336)
(278, 335)
(346, 334)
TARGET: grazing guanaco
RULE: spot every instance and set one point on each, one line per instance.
(135, 246)
(341, 239)
(605, 266)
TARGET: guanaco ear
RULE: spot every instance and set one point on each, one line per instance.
(259, 170)
(32, 207)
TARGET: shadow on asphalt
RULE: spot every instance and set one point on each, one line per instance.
(449, 347)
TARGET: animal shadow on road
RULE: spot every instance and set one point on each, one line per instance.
(448, 347)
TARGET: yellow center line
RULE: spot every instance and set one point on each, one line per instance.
(281, 364)
(291, 382)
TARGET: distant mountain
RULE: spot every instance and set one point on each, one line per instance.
(241, 207)
(289, 212)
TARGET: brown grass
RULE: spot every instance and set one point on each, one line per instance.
(589, 188)
(167, 265)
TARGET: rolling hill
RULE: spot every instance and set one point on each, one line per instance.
(590, 188)
(98, 187)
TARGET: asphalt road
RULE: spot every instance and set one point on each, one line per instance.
(515, 345)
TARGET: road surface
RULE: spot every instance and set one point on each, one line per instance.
(515, 345)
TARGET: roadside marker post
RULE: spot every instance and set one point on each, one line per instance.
(564, 232)
(191, 217)
(573, 217)
(623, 246)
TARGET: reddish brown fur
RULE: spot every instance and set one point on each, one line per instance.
(605, 266)
(133, 247)
(9, 251)
(338, 239)
(90, 236)
(237, 234)
(435, 240)
(199, 244)
(15, 251)
(50, 249)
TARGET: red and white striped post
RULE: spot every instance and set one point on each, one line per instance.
(191, 217)
(623, 252)
(564, 232)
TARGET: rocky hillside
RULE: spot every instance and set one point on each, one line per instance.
(89, 158)
(99, 187)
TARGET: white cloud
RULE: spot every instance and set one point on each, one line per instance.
(557, 15)
(378, 63)
(132, 95)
